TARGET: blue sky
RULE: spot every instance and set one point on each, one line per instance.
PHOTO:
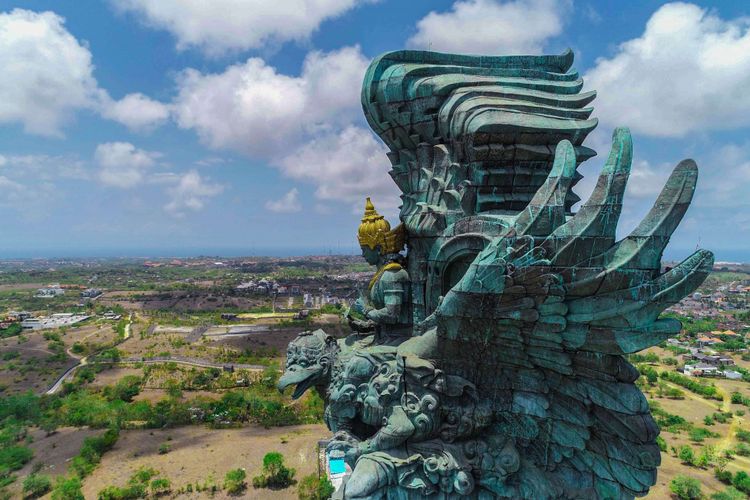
(183, 126)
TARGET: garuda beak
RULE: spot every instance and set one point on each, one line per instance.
(302, 378)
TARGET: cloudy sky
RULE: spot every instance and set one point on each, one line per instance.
(184, 126)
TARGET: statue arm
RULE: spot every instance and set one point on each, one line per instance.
(397, 430)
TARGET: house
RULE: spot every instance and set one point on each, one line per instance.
(732, 375)
(701, 370)
(703, 341)
(49, 292)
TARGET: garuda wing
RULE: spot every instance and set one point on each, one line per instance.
(544, 315)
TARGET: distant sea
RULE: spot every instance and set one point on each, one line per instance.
(672, 255)
(180, 252)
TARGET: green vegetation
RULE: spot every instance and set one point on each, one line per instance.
(649, 357)
(313, 487)
(234, 481)
(686, 487)
(731, 493)
(738, 399)
(92, 450)
(67, 488)
(137, 486)
(275, 475)
(11, 331)
(36, 485)
(700, 388)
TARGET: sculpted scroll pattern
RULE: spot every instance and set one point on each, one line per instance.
(487, 357)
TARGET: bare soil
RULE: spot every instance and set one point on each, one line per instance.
(200, 453)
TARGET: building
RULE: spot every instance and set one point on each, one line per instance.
(732, 375)
(91, 293)
(49, 292)
(55, 321)
(701, 370)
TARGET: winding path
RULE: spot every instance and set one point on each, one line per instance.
(126, 361)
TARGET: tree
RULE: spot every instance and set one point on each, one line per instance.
(36, 485)
(686, 454)
(313, 487)
(686, 487)
(275, 474)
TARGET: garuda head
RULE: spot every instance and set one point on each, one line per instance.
(309, 358)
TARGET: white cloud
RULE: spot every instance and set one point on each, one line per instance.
(689, 71)
(47, 73)
(305, 125)
(492, 26)
(253, 109)
(122, 164)
(646, 181)
(222, 25)
(48, 77)
(287, 204)
(137, 112)
(7, 185)
(190, 193)
(346, 166)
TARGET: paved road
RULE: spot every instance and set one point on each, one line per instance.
(196, 334)
(190, 361)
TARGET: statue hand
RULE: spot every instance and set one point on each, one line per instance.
(359, 306)
(361, 326)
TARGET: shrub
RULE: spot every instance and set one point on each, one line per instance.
(130, 492)
(313, 487)
(698, 434)
(730, 493)
(742, 449)
(275, 474)
(160, 486)
(743, 435)
(234, 481)
(125, 389)
(741, 481)
(36, 485)
(686, 454)
(685, 487)
(724, 476)
(661, 443)
(164, 448)
(14, 457)
(67, 489)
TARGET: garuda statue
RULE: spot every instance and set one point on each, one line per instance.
(488, 360)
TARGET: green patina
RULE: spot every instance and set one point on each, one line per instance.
(490, 363)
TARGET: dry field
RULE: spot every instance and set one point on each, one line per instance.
(33, 367)
(694, 409)
(199, 453)
(52, 452)
(178, 301)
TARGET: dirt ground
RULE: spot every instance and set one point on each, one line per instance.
(198, 453)
(53, 452)
(33, 367)
(178, 301)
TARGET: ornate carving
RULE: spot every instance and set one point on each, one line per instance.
(496, 367)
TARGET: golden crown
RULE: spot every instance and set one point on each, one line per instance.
(375, 231)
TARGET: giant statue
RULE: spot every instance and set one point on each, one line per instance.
(487, 358)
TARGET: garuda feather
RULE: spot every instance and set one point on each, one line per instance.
(514, 383)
